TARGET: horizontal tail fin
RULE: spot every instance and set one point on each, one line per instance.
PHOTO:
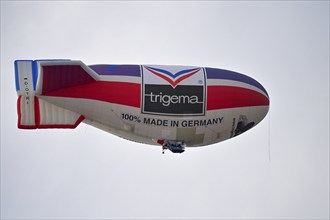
(36, 113)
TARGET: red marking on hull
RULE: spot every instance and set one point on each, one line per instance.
(222, 97)
(114, 92)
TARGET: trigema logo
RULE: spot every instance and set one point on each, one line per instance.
(173, 90)
(167, 100)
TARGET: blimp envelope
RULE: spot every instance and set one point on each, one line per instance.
(171, 106)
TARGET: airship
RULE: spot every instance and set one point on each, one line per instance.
(171, 106)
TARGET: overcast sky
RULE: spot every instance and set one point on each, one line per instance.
(87, 173)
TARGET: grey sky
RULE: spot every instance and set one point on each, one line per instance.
(87, 173)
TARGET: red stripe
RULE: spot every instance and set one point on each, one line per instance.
(19, 109)
(19, 114)
(221, 97)
(27, 126)
(36, 111)
(113, 92)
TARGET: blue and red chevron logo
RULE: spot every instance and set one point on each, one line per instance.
(173, 79)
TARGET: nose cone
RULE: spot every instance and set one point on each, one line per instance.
(246, 98)
(259, 106)
(251, 116)
(258, 98)
(230, 89)
(264, 108)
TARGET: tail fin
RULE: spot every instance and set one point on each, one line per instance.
(33, 112)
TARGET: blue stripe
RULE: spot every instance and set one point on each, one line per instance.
(173, 76)
(16, 75)
(212, 73)
(184, 72)
(162, 71)
(34, 74)
(117, 70)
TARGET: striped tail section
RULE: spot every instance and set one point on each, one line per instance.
(33, 112)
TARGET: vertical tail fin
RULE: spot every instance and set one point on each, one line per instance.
(26, 78)
(33, 112)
